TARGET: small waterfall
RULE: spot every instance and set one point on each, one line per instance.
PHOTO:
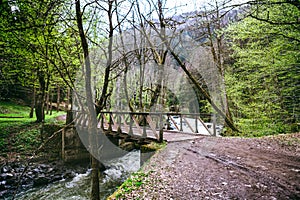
(79, 187)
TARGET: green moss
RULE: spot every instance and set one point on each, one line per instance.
(135, 181)
(153, 146)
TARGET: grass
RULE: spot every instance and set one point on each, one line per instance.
(19, 132)
(154, 146)
(135, 181)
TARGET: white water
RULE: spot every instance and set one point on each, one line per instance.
(79, 187)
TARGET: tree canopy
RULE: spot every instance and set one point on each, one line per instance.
(264, 80)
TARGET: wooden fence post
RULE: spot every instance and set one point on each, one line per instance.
(110, 122)
(102, 120)
(181, 128)
(119, 131)
(144, 127)
(130, 132)
(161, 131)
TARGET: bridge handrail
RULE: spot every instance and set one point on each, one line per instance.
(156, 113)
(154, 125)
(148, 113)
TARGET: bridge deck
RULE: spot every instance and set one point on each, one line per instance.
(168, 135)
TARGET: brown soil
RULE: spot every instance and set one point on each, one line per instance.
(224, 168)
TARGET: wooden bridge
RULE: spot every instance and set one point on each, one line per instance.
(150, 126)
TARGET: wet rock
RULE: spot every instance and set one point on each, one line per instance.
(36, 175)
(29, 173)
(3, 192)
(11, 181)
(27, 181)
(8, 187)
(9, 176)
(43, 166)
(56, 178)
(3, 177)
(2, 185)
(36, 170)
(41, 180)
(49, 170)
(5, 169)
(69, 175)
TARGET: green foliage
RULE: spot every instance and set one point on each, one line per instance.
(37, 48)
(21, 134)
(135, 181)
(263, 85)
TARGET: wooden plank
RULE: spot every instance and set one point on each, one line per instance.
(189, 124)
(137, 125)
(105, 121)
(115, 126)
(174, 123)
(152, 125)
(202, 122)
(126, 126)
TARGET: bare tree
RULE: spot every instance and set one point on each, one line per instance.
(95, 192)
(217, 54)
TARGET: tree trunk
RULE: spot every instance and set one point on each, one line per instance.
(125, 88)
(32, 103)
(51, 102)
(58, 98)
(40, 100)
(47, 102)
(68, 99)
(69, 118)
(95, 195)
(39, 109)
(100, 103)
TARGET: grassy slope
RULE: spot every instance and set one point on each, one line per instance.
(21, 134)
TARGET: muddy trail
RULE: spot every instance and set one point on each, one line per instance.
(224, 168)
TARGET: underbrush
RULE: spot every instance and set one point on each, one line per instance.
(262, 127)
(20, 134)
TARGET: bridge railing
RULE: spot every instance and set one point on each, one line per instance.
(153, 123)
(148, 124)
(188, 118)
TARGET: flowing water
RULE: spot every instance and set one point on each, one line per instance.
(79, 187)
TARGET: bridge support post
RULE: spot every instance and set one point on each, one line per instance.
(102, 120)
(72, 148)
(181, 128)
(119, 131)
(144, 127)
(130, 125)
(161, 131)
(110, 122)
(168, 122)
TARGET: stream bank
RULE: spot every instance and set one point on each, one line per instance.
(37, 174)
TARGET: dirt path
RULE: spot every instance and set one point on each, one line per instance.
(224, 168)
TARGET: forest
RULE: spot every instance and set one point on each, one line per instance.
(236, 60)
